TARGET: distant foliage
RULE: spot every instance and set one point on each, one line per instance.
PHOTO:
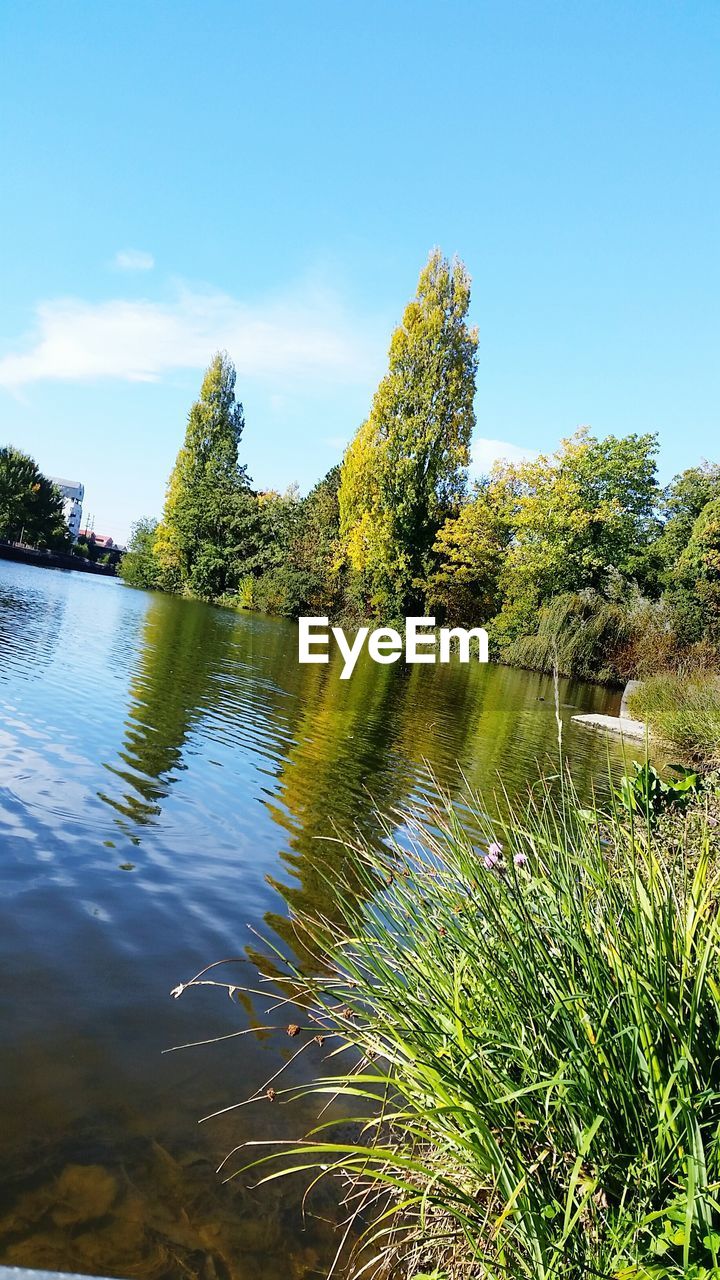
(471, 548)
(694, 589)
(31, 508)
(315, 549)
(586, 635)
(575, 560)
(608, 637)
(684, 500)
(577, 517)
(139, 567)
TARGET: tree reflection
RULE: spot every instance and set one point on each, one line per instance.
(177, 680)
(354, 755)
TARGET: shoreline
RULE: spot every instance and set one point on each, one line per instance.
(52, 560)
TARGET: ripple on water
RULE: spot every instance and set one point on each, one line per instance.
(167, 773)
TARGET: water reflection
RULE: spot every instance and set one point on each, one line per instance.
(187, 745)
(389, 738)
(175, 682)
(341, 769)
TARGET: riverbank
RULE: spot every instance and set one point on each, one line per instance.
(44, 559)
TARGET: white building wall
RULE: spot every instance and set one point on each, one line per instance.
(73, 515)
(73, 492)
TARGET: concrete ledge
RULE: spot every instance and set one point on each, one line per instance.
(613, 724)
(630, 688)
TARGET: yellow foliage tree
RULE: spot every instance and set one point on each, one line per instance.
(405, 470)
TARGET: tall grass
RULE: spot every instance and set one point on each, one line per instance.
(684, 710)
(533, 1028)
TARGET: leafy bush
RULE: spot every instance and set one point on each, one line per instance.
(530, 1032)
(245, 598)
(278, 591)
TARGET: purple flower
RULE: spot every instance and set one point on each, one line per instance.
(520, 859)
(492, 857)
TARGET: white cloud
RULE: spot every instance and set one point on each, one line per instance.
(133, 260)
(140, 341)
(485, 452)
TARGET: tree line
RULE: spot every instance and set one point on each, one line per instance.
(578, 559)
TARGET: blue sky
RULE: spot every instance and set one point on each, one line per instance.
(269, 176)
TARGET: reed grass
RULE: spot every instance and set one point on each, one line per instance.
(684, 710)
(528, 1032)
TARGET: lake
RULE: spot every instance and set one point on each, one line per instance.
(167, 770)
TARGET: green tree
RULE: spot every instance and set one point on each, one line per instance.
(269, 582)
(471, 548)
(87, 547)
(315, 546)
(31, 507)
(579, 518)
(685, 498)
(291, 551)
(694, 596)
(139, 566)
(405, 470)
(196, 541)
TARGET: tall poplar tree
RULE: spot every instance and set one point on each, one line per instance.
(208, 491)
(405, 471)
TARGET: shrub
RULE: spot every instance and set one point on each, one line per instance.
(245, 598)
(277, 591)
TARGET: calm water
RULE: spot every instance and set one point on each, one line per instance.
(165, 771)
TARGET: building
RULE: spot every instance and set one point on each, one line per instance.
(73, 493)
(99, 539)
